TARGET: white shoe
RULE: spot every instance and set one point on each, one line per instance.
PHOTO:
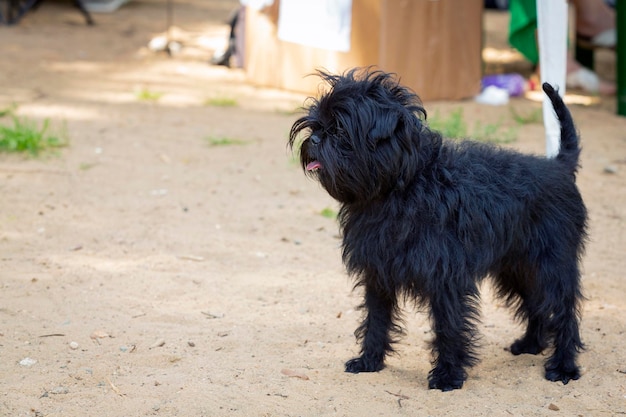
(588, 81)
(584, 79)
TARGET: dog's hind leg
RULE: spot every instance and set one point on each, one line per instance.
(454, 314)
(534, 340)
(375, 332)
(563, 295)
(515, 284)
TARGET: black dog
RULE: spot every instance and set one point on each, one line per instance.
(425, 219)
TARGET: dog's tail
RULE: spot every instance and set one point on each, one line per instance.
(569, 151)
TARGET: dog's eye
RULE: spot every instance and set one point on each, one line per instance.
(315, 140)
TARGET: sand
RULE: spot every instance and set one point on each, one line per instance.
(146, 270)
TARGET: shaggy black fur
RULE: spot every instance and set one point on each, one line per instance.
(427, 219)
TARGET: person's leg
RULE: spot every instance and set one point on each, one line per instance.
(595, 18)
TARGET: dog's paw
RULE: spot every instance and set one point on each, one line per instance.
(521, 346)
(445, 381)
(564, 374)
(362, 364)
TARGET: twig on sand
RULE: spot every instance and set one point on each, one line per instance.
(400, 397)
(114, 388)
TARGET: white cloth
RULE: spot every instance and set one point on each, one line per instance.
(324, 24)
(257, 4)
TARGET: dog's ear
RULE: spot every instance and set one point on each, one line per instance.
(384, 128)
(399, 127)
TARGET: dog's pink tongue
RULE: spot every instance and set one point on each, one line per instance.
(312, 166)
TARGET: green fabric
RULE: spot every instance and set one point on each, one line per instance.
(523, 28)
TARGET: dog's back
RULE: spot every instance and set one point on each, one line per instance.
(569, 150)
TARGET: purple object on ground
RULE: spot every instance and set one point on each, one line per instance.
(515, 84)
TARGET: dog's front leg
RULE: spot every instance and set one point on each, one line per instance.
(375, 331)
(453, 313)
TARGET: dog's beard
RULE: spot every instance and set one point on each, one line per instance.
(332, 168)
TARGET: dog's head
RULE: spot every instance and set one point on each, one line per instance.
(361, 138)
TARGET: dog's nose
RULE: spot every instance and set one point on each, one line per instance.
(315, 140)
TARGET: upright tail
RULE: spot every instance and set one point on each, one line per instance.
(569, 151)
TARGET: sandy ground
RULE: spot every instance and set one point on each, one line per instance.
(145, 272)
